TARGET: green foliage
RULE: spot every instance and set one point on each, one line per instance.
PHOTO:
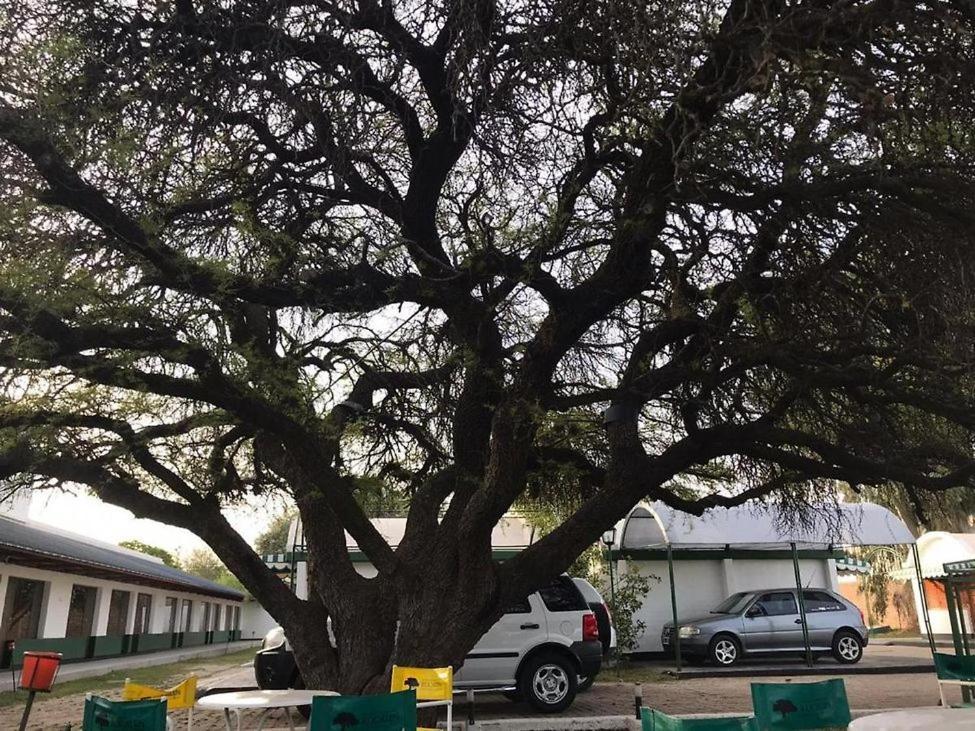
(275, 537)
(948, 510)
(167, 558)
(625, 596)
(631, 591)
(883, 561)
(378, 499)
(204, 563)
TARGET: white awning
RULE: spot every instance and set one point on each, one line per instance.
(762, 527)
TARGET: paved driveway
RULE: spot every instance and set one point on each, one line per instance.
(878, 657)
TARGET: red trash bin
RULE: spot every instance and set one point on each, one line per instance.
(39, 671)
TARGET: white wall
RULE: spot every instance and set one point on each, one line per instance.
(702, 584)
(57, 599)
(937, 548)
(255, 622)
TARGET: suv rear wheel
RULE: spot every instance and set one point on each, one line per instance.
(548, 682)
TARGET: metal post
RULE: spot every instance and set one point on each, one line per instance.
(953, 619)
(612, 598)
(673, 604)
(802, 606)
(963, 630)
(26, 716)
(924, 599)
(956, 613)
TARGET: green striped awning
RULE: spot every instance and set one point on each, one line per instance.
(960, 567)
(852, 565)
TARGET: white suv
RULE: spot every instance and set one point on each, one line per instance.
(537, 651)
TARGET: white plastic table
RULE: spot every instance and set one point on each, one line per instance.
(930, 719)
(258, 700)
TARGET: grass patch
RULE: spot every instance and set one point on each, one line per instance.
(156, 675)
(634, 672)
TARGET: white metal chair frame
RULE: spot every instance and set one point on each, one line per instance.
(951, 681)
(433, 704)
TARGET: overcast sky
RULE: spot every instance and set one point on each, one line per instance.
(89, 516)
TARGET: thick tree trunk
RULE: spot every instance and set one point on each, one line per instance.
(430, 616)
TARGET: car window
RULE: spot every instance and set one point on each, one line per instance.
(777, 603)
(588, 591)
(820, 601)
(563, 596)
(732, 604)
(519, 607)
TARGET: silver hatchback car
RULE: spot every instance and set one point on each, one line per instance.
(768, 621)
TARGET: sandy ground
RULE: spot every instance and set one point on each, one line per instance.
(705, 695)
(730, 695)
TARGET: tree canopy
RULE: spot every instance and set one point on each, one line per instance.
(274, 539)
(204, 563)
(167, 557)
(701, 252)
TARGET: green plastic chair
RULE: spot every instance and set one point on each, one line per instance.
(953, 670)
(801, 705)
(390, 712)
(653, 720)
(102, 714)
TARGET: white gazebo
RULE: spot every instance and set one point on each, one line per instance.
(702, 560)
(934, 550)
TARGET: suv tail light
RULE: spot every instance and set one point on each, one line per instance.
(590, 629)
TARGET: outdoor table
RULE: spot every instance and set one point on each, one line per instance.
(258, 700)
(917, 718)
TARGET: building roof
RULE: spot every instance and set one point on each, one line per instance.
(33, 544)
(762, 527)
(511, 532)
(936, 548)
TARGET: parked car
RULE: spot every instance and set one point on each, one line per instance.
(768, 621)
(604, 620)
(537, 651)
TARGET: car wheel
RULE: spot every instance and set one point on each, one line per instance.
(847, 647)
(724, 651)
(585, 684)
(548, 682)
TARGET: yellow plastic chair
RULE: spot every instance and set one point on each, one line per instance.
(177, 698)
(433, 686)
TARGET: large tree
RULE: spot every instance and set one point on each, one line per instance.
(311, 245)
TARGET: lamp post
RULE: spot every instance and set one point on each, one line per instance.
(609, 539)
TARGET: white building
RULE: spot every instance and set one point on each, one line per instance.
(512, 534)
(937, 548)
(725, 551)
(87, 599)
(738, 549)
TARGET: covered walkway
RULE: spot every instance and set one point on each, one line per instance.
(699, 560)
